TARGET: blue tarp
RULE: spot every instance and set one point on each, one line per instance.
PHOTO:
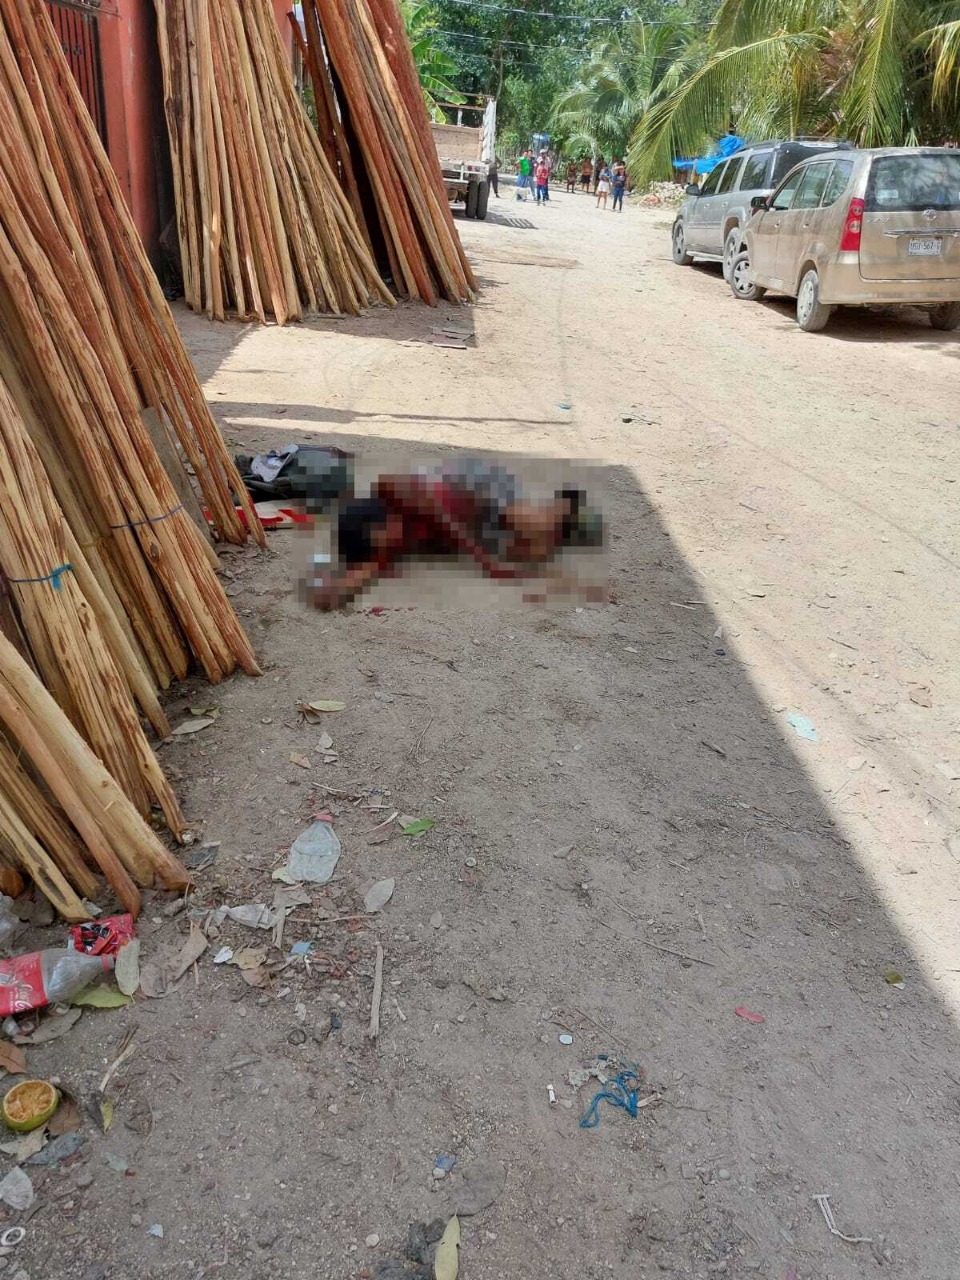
(726, 146)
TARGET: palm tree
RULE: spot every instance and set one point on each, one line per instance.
(435, 67)
(878, 72)
(618, 85)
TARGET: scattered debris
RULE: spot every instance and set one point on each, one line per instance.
(921, 696)
(313, 856)
(16, 1190)
(12, 1237)
(101, 998)
(12, 1059)
(312, 711)
(372, 1240)
(205, 855)
(564, 850)
(67, 1118)
(302, 948)
(742, 1012)
(418, 827)
(116, 1163)
(29, 1104)
(159, 976)
(444, 1163)
(62, 1148)
(127, 1049)
(223, 956)
(480, 988)
(252, 915)
(52, 976)
(27, 1146)
(803, 726)
(422, 1241)
(302, 762)
(824, 1202)
(482, 1183)
(551, 1095)
(249, 957)
(620, 1090)
(128, 968)
(446, 1264)
(374, 1029)
(379, 895)
(893, 979)
(156, 1230)
(196, 725)
(566, 1038)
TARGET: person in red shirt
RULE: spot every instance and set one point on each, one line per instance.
(543, 180)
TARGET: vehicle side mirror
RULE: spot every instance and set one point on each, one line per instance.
(691, 189)
(759, 202)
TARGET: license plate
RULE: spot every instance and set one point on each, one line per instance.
(918, 248)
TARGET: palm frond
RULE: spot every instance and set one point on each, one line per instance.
(875, 98)
(943, 45)
(705, 103)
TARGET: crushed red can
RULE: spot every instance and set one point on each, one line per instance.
(103, 937)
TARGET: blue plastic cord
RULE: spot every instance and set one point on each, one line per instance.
(623, 1092)
(54, 576)
(135, 524)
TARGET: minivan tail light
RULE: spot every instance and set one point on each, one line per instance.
(853, 226)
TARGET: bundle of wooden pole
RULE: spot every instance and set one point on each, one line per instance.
(73, 187)
(370, 104)
(86, 344)
(264, 226)
(95, 819)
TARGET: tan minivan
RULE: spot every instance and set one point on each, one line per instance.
(859, 228)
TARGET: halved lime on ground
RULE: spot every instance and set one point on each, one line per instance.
(30, 1104)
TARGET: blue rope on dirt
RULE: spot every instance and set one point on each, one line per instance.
(623, 1092)
(54, 576)
(135, 524)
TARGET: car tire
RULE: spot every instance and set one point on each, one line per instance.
(812, 315)
(473, 195)
(679, 242)
(740, 285)
(946, 316)
(483, 199)
(731, 248)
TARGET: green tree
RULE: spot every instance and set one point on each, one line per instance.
(878, 72)
(620, 82)
(437, 70)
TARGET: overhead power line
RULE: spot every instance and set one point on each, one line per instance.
(572, 17)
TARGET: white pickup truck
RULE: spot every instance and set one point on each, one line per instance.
(466, 154)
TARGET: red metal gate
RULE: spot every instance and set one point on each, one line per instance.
(77, 23)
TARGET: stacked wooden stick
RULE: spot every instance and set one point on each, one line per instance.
(371, 111)
(109, 588)
(263, 224)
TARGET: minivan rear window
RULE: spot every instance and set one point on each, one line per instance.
(911, 183)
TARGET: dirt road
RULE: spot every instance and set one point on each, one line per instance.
(632, 841)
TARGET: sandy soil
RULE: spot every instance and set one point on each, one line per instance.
(784, 540)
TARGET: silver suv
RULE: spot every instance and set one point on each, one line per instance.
(711, 221)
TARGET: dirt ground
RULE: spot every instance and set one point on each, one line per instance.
(631, 840)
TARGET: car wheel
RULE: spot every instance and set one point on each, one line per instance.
(473, 194)
(483, 199)
(740, 282)
(946, 316)
(730, 250)
(812, 315)
(680, 255)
